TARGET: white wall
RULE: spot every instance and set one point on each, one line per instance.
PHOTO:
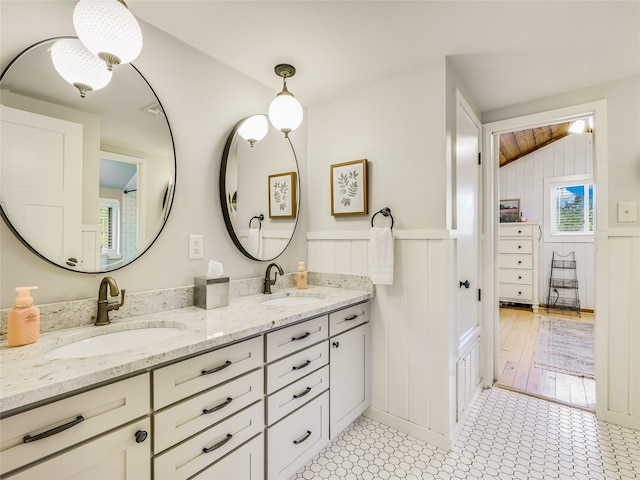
(524, 179)
(202, 109)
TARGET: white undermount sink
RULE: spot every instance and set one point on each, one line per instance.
(290, 300)
(114, 342)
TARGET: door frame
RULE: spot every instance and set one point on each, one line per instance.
(490, 307)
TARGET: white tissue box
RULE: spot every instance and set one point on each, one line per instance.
(211, 292)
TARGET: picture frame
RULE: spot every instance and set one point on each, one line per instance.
(282, 195)
(510, 210)
(349, 188)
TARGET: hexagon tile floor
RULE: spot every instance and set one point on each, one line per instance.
(507, 436)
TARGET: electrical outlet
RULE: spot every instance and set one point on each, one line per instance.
(627, 211)
(196, 246)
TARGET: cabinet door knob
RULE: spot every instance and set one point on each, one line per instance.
(336, 344)
(465, 284)
(141, 436)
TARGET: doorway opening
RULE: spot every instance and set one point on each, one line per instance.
(544, 334)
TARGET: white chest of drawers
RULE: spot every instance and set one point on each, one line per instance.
(518, 263)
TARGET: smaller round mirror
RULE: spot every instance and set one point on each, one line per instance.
(259, 189)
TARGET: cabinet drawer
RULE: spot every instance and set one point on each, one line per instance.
(516, 292)
(516, 230)
(180, 421)
(348, 318)
(516, 246)
(515, 261)
(298, 438)
(297, 394)
(114, 456)
(190, 457)
(520, 277)
(89, 413)
(288, 370)
(296, 337)
(246, 463)
(183, 379)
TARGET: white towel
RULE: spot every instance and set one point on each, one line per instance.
(254, 242)
(381, 256)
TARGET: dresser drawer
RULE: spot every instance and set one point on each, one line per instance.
(348, 318)
(516, 230)
(516, 246)
(184, 419)
(185, 378)
(87, 414)
(296, 337)
(197, 453)
(516, 292)
(297, 394)
(289, 369)
(520, 277)
(516, 261)
(298, 438)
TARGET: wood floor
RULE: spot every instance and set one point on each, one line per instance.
(518, 338)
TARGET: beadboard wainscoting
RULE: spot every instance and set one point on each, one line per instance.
(413, 332)
(623, 329)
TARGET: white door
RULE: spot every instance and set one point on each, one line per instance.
(467, 174)
(42, 181)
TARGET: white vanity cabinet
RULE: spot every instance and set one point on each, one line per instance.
(28, 437)
(206, 407)
(518, 262)
(298, 401)
(350, 365)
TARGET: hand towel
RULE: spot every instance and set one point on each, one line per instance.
(254, 242)
(381, 256)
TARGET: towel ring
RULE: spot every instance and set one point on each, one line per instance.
(386, 212)
(260, 218)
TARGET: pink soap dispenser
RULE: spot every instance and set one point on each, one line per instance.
(301, 277)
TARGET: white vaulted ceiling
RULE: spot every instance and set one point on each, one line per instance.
(508, 51)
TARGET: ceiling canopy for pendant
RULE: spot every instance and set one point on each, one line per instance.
(109, 30)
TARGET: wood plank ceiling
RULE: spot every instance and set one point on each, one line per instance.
(514, 145)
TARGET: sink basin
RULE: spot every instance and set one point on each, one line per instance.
(114, 342)
(291, 300)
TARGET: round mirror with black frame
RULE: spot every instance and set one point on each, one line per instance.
(259, 192)
(87, 183)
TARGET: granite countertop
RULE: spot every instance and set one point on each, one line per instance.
(28, 374)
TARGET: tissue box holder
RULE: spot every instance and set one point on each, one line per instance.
(211, 292)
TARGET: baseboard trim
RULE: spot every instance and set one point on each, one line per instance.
(622, 419)
(404, 426)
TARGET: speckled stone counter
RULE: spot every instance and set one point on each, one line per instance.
(29, 374)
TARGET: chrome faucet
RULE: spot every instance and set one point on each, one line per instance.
(267, 277)
(104, 306)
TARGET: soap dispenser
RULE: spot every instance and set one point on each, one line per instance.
(23, 320)
(301, 277)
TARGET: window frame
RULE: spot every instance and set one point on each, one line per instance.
(115, 225)
(550, 184)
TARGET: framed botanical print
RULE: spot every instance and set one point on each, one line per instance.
(282, 195)
(349, 188)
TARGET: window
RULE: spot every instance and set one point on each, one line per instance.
(569, 207)
(109, 221)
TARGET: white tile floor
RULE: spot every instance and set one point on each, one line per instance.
(508, 436)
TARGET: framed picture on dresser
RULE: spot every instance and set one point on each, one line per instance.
(509, 210)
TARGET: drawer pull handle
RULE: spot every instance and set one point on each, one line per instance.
(520, 277)
(519, 262)
(519, 246)
(300, 395)
(218, 445)
(216, 369)
(519, 293)
(218, 407)
(293, 339)
(519, 231)
(352, 317)
(305, 364)
(53, 431)
(302, 438)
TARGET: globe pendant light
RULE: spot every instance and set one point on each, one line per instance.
(79, 66)
(254, 129)
(285, 112)
(108, 29)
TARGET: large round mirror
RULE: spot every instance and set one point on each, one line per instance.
(86, 183)
(259, 191)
